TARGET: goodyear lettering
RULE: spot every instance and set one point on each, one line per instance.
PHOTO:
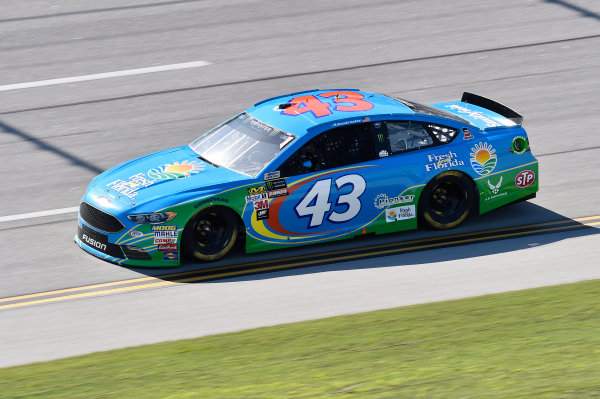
(212, 199)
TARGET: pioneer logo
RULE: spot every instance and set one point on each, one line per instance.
(93, 243)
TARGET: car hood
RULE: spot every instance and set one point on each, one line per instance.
(174, 171)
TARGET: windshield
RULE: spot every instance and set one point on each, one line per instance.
(243, 144)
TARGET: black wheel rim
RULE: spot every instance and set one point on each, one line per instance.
(448, 201)
(211, 233)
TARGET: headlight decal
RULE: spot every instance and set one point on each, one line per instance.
(152, 218)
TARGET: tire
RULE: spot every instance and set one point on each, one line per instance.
(446, 200)
(211, 234)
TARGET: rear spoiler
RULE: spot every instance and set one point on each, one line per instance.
(493, 106)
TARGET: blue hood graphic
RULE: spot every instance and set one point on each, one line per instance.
(161, 174)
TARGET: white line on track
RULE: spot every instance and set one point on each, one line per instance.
(105, 75)
(22, 216)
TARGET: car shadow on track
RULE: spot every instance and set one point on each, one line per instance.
(511, 228)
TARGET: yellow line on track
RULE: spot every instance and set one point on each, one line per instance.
(160, 282)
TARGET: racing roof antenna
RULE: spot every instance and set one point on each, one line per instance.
(285, 105)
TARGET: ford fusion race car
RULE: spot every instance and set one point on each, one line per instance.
(310, 167)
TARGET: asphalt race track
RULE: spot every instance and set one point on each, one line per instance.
(58, 130)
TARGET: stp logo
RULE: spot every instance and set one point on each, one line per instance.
(525, 178)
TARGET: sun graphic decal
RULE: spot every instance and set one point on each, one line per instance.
(176, 170)
(483, 158)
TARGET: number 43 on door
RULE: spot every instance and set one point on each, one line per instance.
(316, 203)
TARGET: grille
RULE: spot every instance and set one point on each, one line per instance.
(99, 219)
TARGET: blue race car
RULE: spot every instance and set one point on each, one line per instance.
(310, 167)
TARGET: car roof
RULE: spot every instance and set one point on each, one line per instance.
(270, 111)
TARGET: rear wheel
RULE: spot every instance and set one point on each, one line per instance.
(211, 234)
(446, 201)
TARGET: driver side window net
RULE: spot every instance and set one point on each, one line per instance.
(332, 149)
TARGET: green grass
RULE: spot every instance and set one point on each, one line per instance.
(540, 343)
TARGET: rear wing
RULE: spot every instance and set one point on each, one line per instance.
(481, 112)
(493, 106)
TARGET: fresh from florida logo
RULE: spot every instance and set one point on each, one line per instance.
(442, 161)
(400, 213)
(176, 170)
(483, 158)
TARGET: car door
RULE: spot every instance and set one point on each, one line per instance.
(330, 183)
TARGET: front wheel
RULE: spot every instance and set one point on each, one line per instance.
(210, 235)
(446, 201)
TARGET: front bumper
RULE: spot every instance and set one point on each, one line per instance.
(141, 248)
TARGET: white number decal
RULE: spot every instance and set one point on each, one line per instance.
(358, 188)
(319, 194)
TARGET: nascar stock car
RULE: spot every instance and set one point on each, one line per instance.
(310, 167)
